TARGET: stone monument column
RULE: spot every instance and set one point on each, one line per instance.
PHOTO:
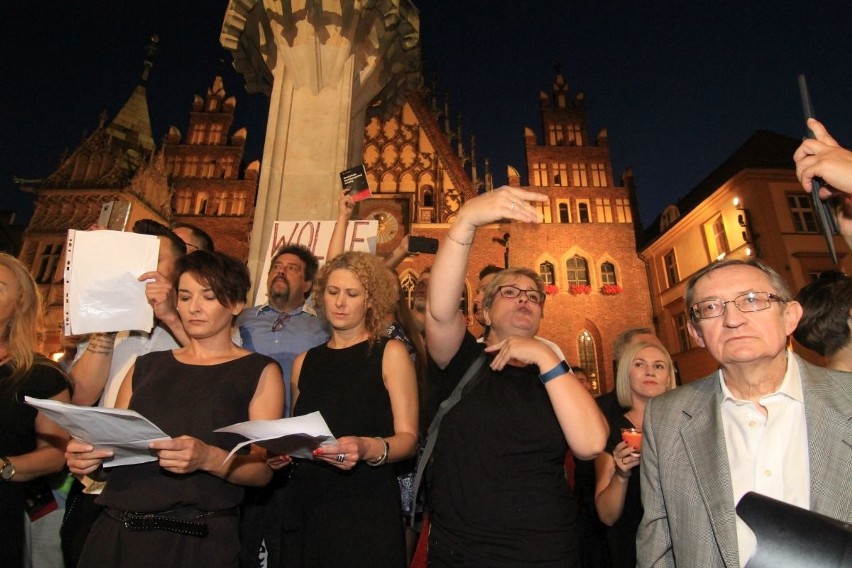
(322, 63)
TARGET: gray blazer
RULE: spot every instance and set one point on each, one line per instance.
(687, 494)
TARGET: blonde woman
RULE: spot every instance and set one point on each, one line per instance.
(645, 370)
(31, 446)
(343, 507)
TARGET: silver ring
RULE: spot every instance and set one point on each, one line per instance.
(340, 457)
(513, 205)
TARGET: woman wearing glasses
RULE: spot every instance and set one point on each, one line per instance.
(498, 494)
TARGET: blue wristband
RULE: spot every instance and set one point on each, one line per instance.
(556, 371)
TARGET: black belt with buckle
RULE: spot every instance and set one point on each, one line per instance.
(182, 521)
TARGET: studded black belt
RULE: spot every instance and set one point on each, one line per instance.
(187, 521)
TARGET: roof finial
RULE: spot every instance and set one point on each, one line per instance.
(150, 52)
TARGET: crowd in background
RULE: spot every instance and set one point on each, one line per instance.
(521, 465)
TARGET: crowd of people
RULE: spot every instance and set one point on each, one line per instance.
(522, 464)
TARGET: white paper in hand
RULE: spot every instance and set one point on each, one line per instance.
(126, 432)
(102, 288)
(297, 436)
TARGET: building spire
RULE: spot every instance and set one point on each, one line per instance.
(131, 127)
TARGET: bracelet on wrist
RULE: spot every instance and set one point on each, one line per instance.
(459, 242)
(383, 458)
(623, 475)
(556, 371)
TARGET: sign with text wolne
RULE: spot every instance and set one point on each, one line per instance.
(315, 235)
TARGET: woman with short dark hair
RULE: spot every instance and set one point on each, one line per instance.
(498, 495)
(182, 508)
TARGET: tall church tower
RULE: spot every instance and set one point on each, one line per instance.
(210, 188)
(585, 250)
(117, 162)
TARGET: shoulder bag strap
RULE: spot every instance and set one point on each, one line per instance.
(432, 434)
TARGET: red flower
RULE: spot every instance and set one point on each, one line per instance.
(551, 289)
(611, 289)
(580, 289)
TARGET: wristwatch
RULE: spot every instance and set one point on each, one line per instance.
(7, 472)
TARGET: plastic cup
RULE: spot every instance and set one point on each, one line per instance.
(633, 437)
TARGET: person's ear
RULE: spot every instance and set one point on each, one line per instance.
(792, 314)
(237, 308)
(695, 333)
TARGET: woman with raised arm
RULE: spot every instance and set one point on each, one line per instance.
(498, 495)
(182, 509)
(645, 370)
(343, 507)
(31, 445)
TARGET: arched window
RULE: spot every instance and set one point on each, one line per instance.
(608, 273)
(588, 358)
(407, 282)
(428, 198)
(563, 213)
(545, 270)
(583, 209)
(578, 270)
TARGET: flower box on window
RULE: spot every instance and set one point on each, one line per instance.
(551, 289)
(611, 289)
(575, 289)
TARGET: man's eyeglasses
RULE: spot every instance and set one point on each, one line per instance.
(512, 292)
(291, 268)
(750, 302)
(280, 321)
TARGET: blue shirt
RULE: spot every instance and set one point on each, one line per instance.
(301, 331)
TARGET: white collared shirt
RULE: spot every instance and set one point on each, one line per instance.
(767, 454)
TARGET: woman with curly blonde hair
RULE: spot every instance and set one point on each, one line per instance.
(343, 506)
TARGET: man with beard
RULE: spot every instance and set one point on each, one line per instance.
(281, 328)
(284, 327)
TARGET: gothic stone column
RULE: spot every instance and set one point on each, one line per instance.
(322, 62)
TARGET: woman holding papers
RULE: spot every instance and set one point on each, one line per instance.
(343, 507)
(182, 508)
(30, 445)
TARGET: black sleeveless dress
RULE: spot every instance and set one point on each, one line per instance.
(344, 518)
(182, 400)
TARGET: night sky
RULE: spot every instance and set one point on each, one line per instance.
(678, 85)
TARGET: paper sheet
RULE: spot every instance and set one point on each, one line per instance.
(102, 288)
(125, 432)
(297, 436)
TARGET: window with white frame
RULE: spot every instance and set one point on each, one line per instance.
(598, 175)
(604, 211)
(578, 175)
(539, 174)
(577, 269)
(622, 211)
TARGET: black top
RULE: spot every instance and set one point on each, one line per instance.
(622, 534)
(334, 517)
(18, 436)
(190, 400)
(497, 484)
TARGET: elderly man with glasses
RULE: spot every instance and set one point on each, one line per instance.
(766, 421)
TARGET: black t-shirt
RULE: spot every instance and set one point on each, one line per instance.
(497, 486)
(18, 436)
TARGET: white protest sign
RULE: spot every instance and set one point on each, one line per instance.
(315, 235)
